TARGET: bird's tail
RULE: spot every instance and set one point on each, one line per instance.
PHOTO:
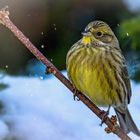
(126, 122)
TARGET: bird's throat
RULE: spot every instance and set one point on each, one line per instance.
(86, 40)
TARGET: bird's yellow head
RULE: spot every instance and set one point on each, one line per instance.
(98, 33)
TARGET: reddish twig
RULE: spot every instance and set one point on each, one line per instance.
(112, 127)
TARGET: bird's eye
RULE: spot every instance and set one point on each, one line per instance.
(99, 34)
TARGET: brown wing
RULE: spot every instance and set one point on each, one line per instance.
(126, 79)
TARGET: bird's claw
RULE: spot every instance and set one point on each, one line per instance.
(75, 95)
(104, 115)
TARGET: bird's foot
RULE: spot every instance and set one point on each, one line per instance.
(75, 93)
(104, 115)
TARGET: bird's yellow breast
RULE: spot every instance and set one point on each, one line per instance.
(88, 69)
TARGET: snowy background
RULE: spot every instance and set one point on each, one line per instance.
(44, 109)
(38, 108)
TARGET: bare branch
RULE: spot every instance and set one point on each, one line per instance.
(112, 125)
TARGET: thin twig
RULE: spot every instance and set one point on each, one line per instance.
(112, 127)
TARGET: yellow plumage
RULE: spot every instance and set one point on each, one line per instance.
(97, 68)
(86, 40)
(89, 77)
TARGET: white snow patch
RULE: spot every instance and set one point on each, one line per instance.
(37, 109)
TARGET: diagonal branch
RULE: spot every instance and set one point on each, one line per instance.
(112, 127)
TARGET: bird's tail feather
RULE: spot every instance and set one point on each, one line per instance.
(126, 122)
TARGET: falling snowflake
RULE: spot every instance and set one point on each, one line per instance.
(41, 77)
(118, 24)
(42, 46)
(127, 34)
(6, 66)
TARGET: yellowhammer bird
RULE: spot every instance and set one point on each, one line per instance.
(97, 68)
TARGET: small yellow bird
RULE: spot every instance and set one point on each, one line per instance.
(97, 68)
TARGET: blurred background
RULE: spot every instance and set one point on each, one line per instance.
(54, 25)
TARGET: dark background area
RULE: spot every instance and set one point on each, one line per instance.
(54, 25)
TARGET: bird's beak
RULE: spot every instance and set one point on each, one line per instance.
(86, 33)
